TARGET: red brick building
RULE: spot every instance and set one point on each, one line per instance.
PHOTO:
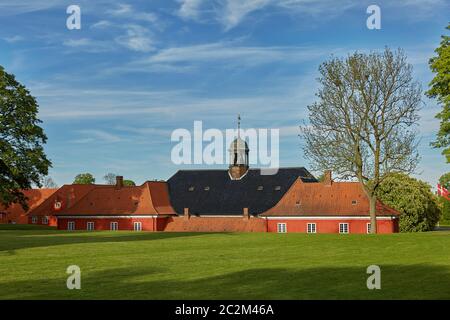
(235, 200)
(328, 207)
(16, 214)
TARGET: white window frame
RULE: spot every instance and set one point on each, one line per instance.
(281, 227)
(137, 226)
(34, 219)
(115, 224)
(90, 226)
(71, 225)
(44, 220)
(368, 227)
(311, 227)
(341, 228)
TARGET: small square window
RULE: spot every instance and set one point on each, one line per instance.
(137, 226)
(260, 188)
(281, 228)
(368, 228)
(206, 188)
(71, 225)
(277, 188)
(90, 226)
(297, 203)
(343, 227)
(311, 228)
(354, 202)
(191, 188)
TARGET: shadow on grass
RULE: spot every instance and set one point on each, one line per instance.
(397, 281)
(34, 227)
(11, 241)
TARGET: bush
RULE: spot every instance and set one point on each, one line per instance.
(419, 207)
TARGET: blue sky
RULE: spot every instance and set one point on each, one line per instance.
(111, 93)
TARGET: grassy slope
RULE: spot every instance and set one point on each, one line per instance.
(145, 265)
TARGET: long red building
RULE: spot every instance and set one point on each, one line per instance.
(239, 199)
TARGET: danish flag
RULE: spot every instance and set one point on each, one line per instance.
(443, 192)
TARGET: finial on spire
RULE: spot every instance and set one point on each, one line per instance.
(239, 124)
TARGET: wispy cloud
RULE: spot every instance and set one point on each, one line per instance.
(13, 39)
(127, 11)
(89, 45)
(229, 53)
(95, 135)
(102, 24)
(230, 13)
(189, 8)
(137, 38)
(24, 6)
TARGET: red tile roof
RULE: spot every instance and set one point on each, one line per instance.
(15, 212)
(67, 195)
(319, 199)
(151, 198)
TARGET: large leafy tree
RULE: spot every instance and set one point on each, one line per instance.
(84, 178)
(23, 162)
(413, 198)
(440, 89)
(362, 125)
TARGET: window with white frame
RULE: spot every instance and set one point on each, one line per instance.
(114, 226)
(71, 225)
(368, 227)
(138, 226)
(311, 228)
(45, 220)
(281, 228)
(343, 227)
(34, 219)
(90, 226)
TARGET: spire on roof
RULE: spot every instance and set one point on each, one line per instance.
(239, 124)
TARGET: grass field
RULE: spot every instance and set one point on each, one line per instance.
(129, 265)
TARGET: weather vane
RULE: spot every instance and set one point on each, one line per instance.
(239, 124)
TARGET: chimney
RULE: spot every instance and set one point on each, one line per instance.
(186, 213)
(245, 213)
(119, 182)
(327, 178)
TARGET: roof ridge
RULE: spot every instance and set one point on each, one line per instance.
(225, 169)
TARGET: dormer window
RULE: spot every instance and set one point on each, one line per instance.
(277, 188)
(354, 202)
(260, 188)
(297, 203)
(206, 188)
(191, 188)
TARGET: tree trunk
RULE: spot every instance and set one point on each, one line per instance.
(373, 214)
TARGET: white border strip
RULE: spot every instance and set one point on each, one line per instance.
(328, 218)
(107, 217)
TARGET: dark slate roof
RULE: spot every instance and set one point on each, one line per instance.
(229, 197)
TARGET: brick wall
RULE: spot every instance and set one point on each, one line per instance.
(215, 224)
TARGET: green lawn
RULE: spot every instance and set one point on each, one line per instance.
(129, 265)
